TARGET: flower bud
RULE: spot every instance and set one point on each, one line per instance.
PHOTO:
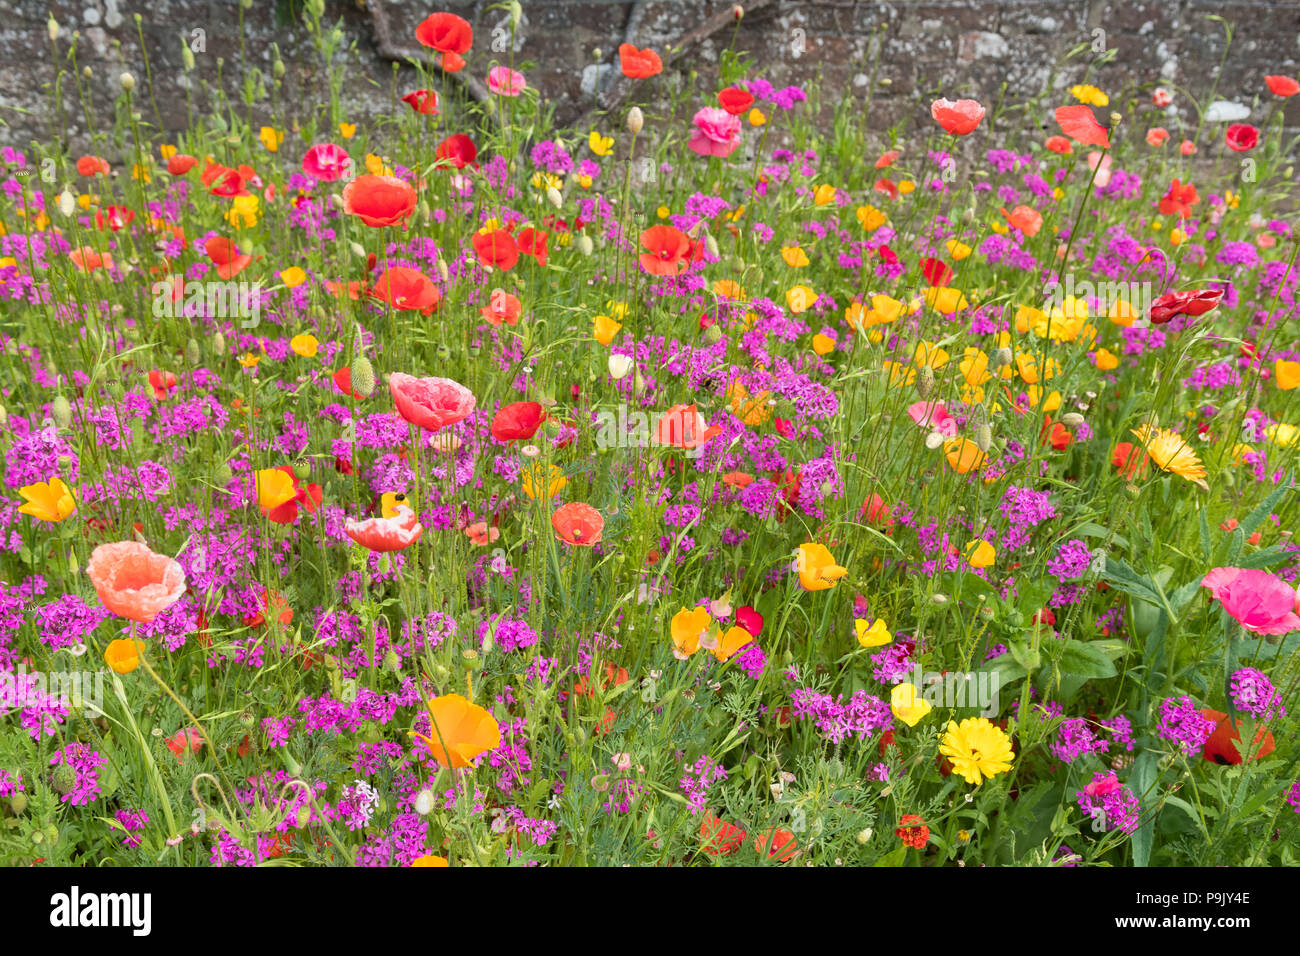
(925, 381)
(553, 197)
(738, 12)
(218, 344)
(52, 25)
(127, 82)
(277, 69)
(358, 249)
(1001, 358)
(712, 335)
(635, 120)
(18, 802)
(191, 351)
(984, 438)
(934, 440)
(67, 202)
(939, 599)
(619, 366)
(61, 411)
(585, 245)
(86, 72)
(711, 245)
(424, 801)
(1072, 420)
(864, 836)
(187, 57)
(444, 271)
(363, 377)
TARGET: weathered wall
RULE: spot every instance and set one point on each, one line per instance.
(975, 46)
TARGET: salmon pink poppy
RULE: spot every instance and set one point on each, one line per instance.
(1241, 137)
(682, 426)
(1099, 165)
(717, 132)
(502, 309)
(1282, 85)
(578, 524)
(92, 166)
(327, 163)
(424, 102)
(379, 200)
(959, 118)
(386, 534)
(887, 159)
(1059, 144)
(670, 251)
(1025, 218)
(446, 33)
(1179, 200)
(496, 249)
(162, 383)
(639, 64)
(88, 260)
(1195, 302)
(1079, 123)
(518, 421)
(133, 582)
(1260, 602)
(1157, 136)
(1221, 746)
(180, 164)
(735, 100)
(226, 256)
(430, 403)
(406, 289)
(459, 150)
(933, 416)
(504, 81)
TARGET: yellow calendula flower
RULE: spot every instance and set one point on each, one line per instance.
(794, 257)
(1230, 199)
(537, 480)
(271, 138)
(1170, 453)
(141, 172)
(48, 501)
(1090, 95)
(977, 749)
(600, 145)
(305, 345)
(293, 277)
(907, 704)
(347, 130)
(875, 634)
(800, 299)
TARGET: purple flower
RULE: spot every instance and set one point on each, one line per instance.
(1181, 723)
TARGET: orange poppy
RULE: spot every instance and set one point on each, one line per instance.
(719, 837)
(578, 524)
(1221, 747)
(1025, 218)
(180, 164)
(466, 729)
(639, 64)
(379, 200)
(133, 582)
(502, 308)
(226, 256)
(670, 251)
(92, 166)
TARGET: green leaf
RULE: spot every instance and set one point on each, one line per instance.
(1142, 780)
(1087, 659)
(1123, 578)
(894, 857)
(1264, 508)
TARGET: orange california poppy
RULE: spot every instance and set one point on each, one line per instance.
(963, 455)
(379, 200)
(639, 64)
(464, 728)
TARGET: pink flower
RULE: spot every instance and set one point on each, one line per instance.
(1101, 163)
(504, 81)
(327, 162)
(717, 132)
(935, 416)
(1258, 601)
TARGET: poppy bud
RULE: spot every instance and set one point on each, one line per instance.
(64, 778)
(585, 245)
(444, 271)
(392, 662)
(4, 416)
(738, 265)
(638, 384)
(187, 56)
(358, 250)
(1001, 358)
(864, 836)
(426, 213)
(67, 202)
(934, 440)
(580, 736)
(712, 335)
(489, 642)
(52, 833)
(597, 54)
(18, 803)
(619, 366)
(925, 381)
(738, 12)
(711, 245)
(277, 68)
(127, 82)
(61, 411)
(635, 120)
(86, 73)
(363, 377)
(553, 197)
(424, 802)
(1072, 420)
(222, 473)
(218, 344)
(52, 25)
(1133, 491)
(939, 599)
(983, 437)
(192, 351)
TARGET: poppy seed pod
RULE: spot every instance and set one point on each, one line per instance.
(363, 377)
(635, 120)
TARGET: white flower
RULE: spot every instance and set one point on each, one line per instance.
(1221, 111)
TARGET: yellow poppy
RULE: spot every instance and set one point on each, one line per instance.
(687, 627)
(305, 345)
(48, 501)
(817, 568)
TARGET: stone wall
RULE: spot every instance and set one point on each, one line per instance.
(988, 49)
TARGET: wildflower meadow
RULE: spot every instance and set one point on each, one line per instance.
(707, 485)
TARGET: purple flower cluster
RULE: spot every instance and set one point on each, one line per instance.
(1253, 693)
(1181, 723)
(863, 715)
(1110, 804)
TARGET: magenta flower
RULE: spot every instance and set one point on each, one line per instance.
(504, 81)
(1258, 601)
(717, 132)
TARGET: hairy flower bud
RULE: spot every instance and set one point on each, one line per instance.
(635, 120)
(363, 377)
(984, 437)
(925, 381)
(61, 411)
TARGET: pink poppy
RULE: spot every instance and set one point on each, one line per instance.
(958, 118)
(430, 403)
(327, 163)
(386, 534)
(935, 416)
(1260, 602)
(1101, 163)
(717, 132)
(133, 582)
(682, 426)
(504, 81)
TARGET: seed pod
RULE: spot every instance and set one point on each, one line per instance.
(635, 120)
(712, 335)
(363, 377)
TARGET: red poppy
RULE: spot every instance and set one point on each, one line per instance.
(670, 250)
(1132, 460)
(422, 101)
(446, 33)
(180, 164)
(1221, 747)
(1079, 123)
(327, 163)
(532, 242)
(223, 181)
(287, 513)
(1025, 218)
(887, 255)
(92, 166)
(1193, 302)
(497, 249)
(518, 421)
(406, 289)
(735, 100)
(459, 149)
(935, 271)
(162, 383)
(184, 740)
(876, 512)
(777, 844)
(502, 308)
(959, 118)
(430, 403)
(578, 524)
(379, 200)
(1056, 434)
(1241, 137)
(887, 159)
(639, 64)
(750, 620)
(226, 256)
(682, 426)
(1179, 200)
(1282, 85)
(343, 382)
(1059, 144)
(737, 479)
(113, 217)
(718, 837)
